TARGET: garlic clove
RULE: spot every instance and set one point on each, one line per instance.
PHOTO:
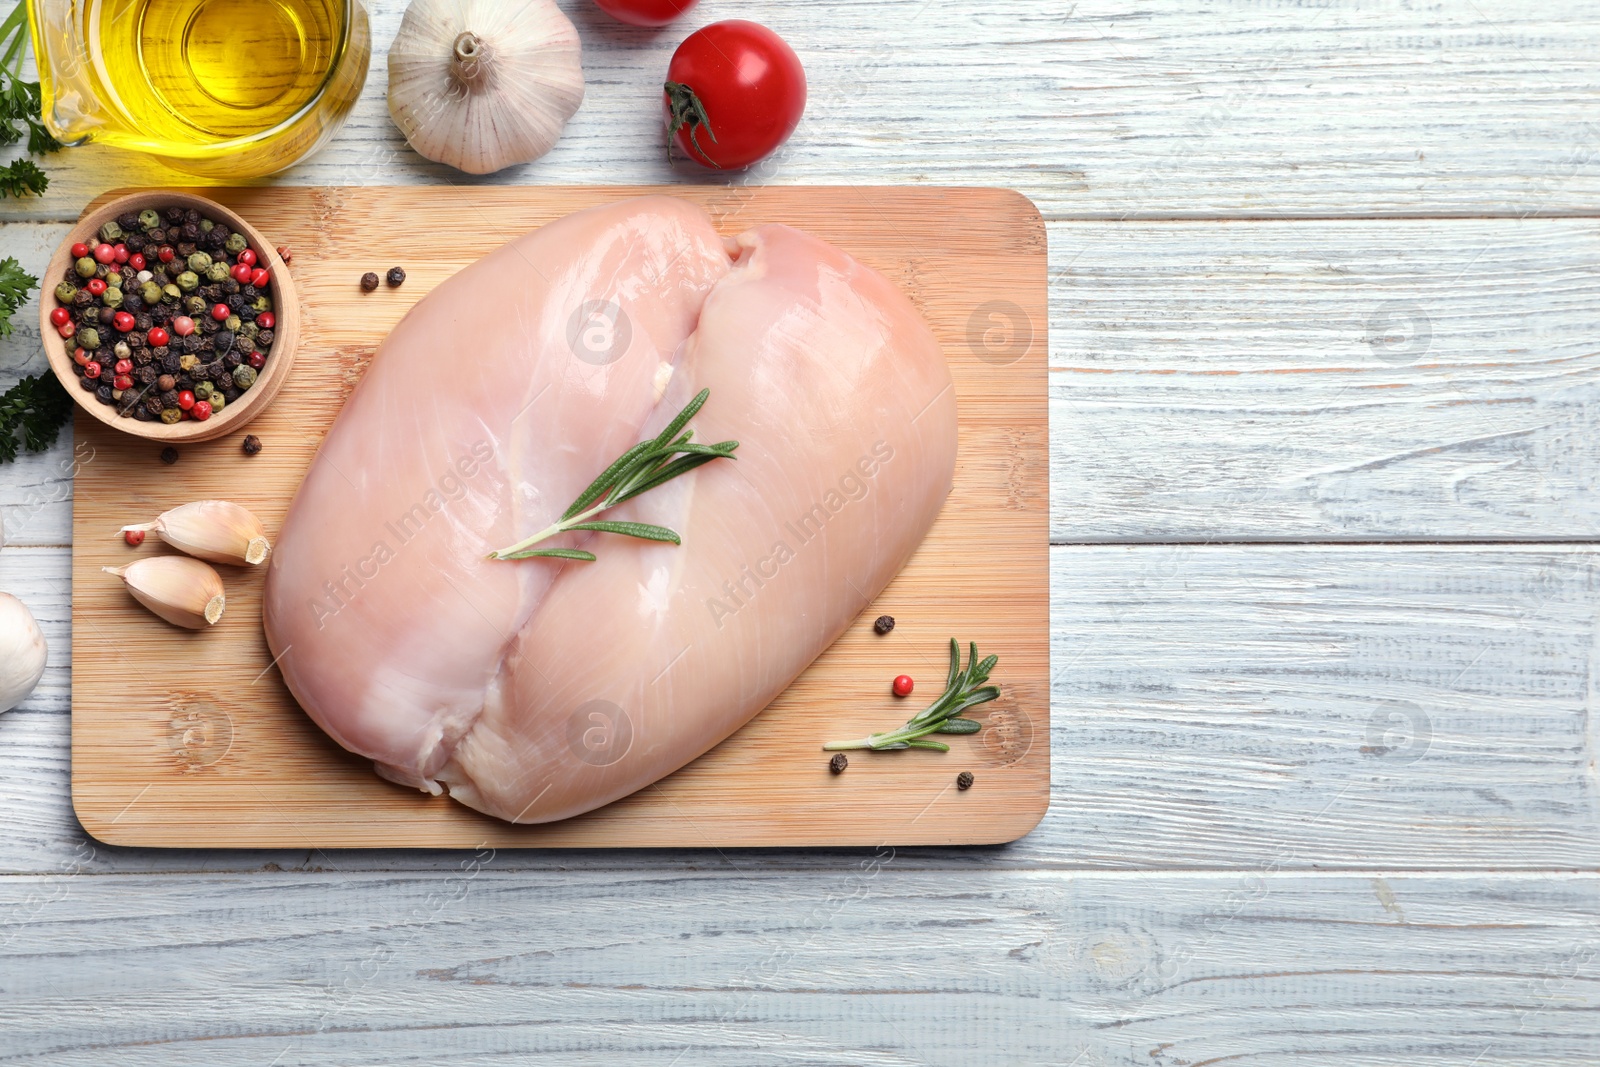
(483, 84)
(22, 652)
(181, 590)
(218, 530)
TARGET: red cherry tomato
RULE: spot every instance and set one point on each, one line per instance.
(903, 685)
(645, 12)
(735, 92)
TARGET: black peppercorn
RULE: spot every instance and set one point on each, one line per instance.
(964, 780)
(174, 214)
(103, 394)
(105, 315)
(192, 217)
(128, 220)
(145, 375)
(143, 322)
(169, 455)
(152, 404)
(142, 412)
(369, 282)
(169, 398)
(265, 338)
(884, 624)
(838, 763)
(395, 277)
(237, 300)
(231, 360)
(251, 445)
(89, 383)
(135, 242)
(221, 341)
(230, 286)
(133, 302)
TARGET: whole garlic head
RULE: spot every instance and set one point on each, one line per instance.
(22, 652)
(483, 84)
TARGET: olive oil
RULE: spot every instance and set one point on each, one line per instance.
(229, 87)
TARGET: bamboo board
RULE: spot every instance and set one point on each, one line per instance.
(191, 740)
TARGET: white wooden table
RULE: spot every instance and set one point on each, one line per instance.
(1325, 450)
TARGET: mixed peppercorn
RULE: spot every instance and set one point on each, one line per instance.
(169, 315)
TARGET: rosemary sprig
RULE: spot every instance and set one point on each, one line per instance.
(964, 689)
(638, 470)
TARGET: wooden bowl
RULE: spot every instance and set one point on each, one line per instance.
(285, 309)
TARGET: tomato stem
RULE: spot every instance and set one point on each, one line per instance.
(686, 109)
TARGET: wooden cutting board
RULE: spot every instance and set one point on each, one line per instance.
(191, 739)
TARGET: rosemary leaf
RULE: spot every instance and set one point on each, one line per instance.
(638, 470)
(552, 553)
(965, 689)
(631, 529)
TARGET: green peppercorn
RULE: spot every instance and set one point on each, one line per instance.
(203, 390)
(86, 267)
(171, 292)
(171, 415)
(217, 272)
(232, 323)
(200, 262)
(150, 293)
(149, 220)
(261, 303)
(188, 281)
(195, 305)
(112, 297)
(188, 361)
(89, 339)
(122, 350)
(248, 329)
(206, 225)
(110, 231)
(114, 279)
(244, 376)
(236, 243)
(218, 401)
(65, 292)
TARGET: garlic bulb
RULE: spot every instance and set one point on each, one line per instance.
(181, 590)
(483, 84)
(22, 652)
(218, 530)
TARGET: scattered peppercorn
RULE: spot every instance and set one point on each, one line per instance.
(130, 300)
(133, 537)
(903, 685)
(838, 763)
(396, 276)
(884, 624)
(252, 443)
(964, 780)
(169, 455)
(285, 254)
(369, 281)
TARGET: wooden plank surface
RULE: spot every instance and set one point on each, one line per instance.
(861, 964)
(1093, 108)
(218, 754)
(1215, 707)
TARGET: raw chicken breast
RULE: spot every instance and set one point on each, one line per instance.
(609, 675)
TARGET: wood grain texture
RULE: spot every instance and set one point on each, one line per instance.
(218, 754)
(1219, 707)
(1397, 380)
(861, 964)
(1094, 108)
